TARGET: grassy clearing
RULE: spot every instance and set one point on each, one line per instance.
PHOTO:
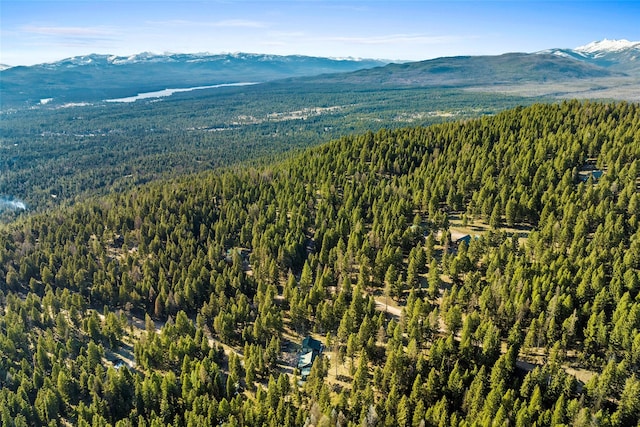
(478, 227)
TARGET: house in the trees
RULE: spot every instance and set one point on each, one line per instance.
(595, 174)
(464, 238)
(590, 170)
(311, 344)
(244, 257)
(455, 239)
(311, 348)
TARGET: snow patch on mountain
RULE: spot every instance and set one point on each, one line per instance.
(564, 53)
(203, 57)
(607, 45)
(622, 56)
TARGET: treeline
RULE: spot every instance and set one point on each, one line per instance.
(247, 258)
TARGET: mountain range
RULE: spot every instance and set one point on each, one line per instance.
(461, 71)
(608, 69)
(96, 77)
(604, 65)
(619, 55)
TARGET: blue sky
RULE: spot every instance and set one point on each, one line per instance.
(44, 31)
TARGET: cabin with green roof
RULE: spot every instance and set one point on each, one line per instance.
(311, 349)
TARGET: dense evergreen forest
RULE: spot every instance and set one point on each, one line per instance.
(181, 303)
(53, 156)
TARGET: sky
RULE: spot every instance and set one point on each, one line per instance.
(33, 32)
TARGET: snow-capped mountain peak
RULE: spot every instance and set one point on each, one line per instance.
(617, 55)
(607, 45)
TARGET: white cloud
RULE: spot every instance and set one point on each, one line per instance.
(228, 23)
(286, 34)
(397, 39)
(240, 23)
(67, 31)
(54, 37)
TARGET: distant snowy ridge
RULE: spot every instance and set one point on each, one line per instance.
(95, 77)
(171, 57)
(596, 48)
(608, 46)
(617, 55)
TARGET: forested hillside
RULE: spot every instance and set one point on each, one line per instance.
(52, 156)
(534, 321)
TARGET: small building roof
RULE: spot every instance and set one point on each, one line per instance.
(305, 359)
(312, 344)
(466, 238)
(596, 174)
